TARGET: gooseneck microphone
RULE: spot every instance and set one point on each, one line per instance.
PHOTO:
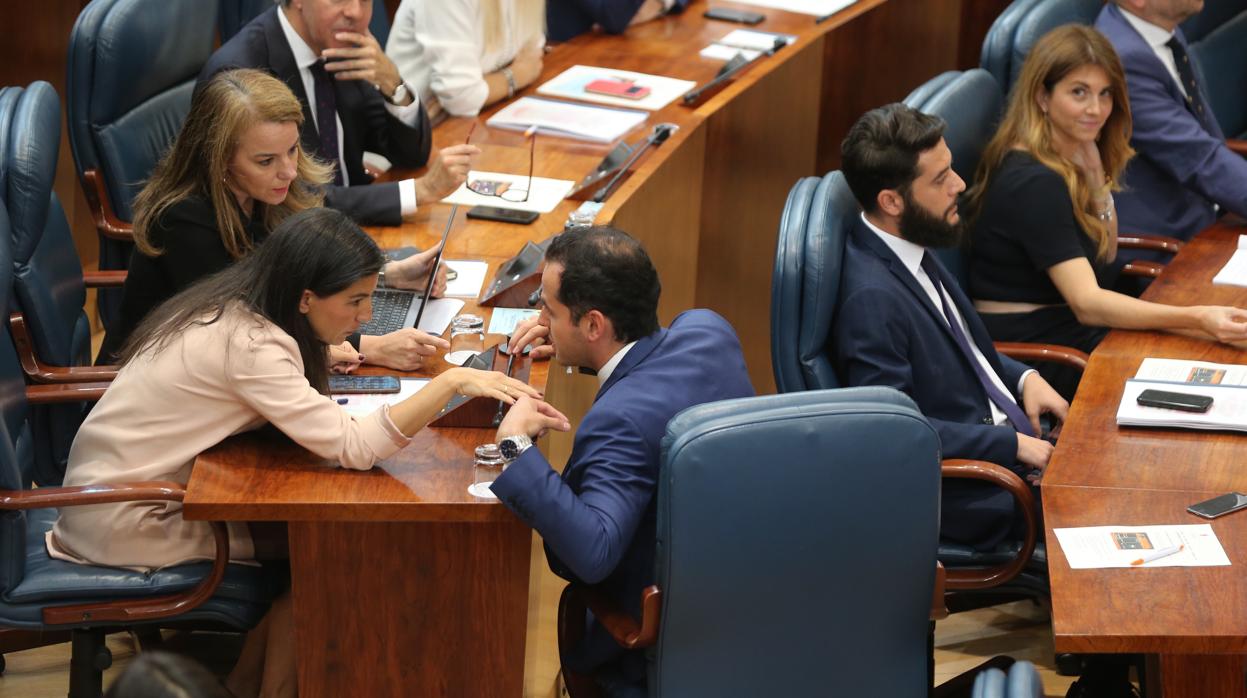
(661, 133)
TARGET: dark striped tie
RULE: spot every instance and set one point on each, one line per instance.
(326, 118)
(1187, 75)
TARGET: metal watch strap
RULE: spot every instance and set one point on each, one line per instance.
(511, 88)
(513, 446)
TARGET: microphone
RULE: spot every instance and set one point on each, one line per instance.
(660, 134)
(729, 71)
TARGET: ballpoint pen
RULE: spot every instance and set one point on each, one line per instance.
(510, 363)
(1158, 554)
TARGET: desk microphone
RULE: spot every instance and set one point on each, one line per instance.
(730, 71)
(661, 133)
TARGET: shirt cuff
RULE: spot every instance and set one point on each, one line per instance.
(409, 114)
(407, 196)
(1022, 380)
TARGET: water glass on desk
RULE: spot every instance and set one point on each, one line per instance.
(467, 338)
(486, 468)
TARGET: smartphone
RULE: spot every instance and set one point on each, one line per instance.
(618, 88)
(350, 385)
(727, 14)
(1175, 401)
(503, 215)
(1217, 506)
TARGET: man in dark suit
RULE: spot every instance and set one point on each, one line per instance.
(599, 312)
(1184, 171)
(353, 100)
(569, 18)
(904, 322)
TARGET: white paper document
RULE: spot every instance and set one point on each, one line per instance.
(818, 8)
(438, 315)
(1228, 411)
(1100, 547)
(469, 277)
(1191, 372)
(583, 121)
(571, 84)
(719, 52)
(543, 194)
(365, 404)
(1234, 273)
(504, 320)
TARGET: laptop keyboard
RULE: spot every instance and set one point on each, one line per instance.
(389, 310)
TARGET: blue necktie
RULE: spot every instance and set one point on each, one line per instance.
(1006, 404)
(326, 118)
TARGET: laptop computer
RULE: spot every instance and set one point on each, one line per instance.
(395, 308)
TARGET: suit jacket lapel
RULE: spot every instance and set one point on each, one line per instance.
(902, 273)
(638, 353)
(281, 62)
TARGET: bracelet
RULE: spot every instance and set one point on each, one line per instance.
(506, 73)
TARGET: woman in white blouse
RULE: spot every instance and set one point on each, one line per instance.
(239, 349)
(464, 55)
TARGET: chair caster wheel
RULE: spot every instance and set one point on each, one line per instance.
(1069, 664)
(103, 658)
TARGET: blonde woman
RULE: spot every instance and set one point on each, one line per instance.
(234, 172)
(464, 55)
(1044, 228)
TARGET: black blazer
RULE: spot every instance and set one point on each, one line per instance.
(366, 124)
(888, 332)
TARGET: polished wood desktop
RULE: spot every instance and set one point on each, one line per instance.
(1192, 622)
(403, 583)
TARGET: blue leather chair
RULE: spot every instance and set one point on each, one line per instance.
(804, 292)
(132, 66)
(1212, 16)
(1220, 57)
(1022, 23)
(236, 13)
(51, 331)
(40, 593)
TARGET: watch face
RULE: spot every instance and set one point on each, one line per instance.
(509, 448)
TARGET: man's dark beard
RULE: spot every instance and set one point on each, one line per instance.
(923, 228)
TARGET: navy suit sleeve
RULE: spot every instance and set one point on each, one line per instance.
(874, 348)
(1012, 373)
(612, 15)
(589, 531)
(368, 204)
(1168, 134)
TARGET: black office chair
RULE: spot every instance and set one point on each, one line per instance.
(132, 66)
(777, 573)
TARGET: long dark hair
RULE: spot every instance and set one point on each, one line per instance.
(318, 249)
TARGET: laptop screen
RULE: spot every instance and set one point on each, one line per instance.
(437, 263)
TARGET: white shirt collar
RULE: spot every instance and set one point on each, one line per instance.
(1155, 36)
(611, 364)
(304, 56)
(909, 253)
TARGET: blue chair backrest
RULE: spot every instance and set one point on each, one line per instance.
(47, 272)
(1022, 24)
(971, 105)
(1212, 16)
(132, 66)
(1220, 58)
(236, 13)
(771, 550)
(805, 284)
(16, 460)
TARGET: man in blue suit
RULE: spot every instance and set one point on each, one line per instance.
(599, 312)
(569, 18)
(1184, 170)
(904, 322)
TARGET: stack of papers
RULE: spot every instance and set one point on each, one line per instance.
(1099, 547)
(571, 84)
(1226, 384)
(1234, 273)
(598, 124)
(362, 405)
(818, 8)
(469, 277)
(744, 41)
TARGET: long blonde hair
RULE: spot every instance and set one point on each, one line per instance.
(196, 164)
(529, 21)
(1060, 52)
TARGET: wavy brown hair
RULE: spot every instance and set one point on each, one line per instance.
(196, 164)
(1025, 126)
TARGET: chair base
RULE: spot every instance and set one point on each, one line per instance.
(960, 685)
(87, 663)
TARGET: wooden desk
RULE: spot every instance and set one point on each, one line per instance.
(405, 585)
(1191, 621)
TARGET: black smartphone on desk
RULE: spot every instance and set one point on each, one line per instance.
(1218, 506)
(502, 215)
(727, 14)
(1186, 402)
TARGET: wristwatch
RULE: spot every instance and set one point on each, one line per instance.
(511, 86)
(400, 94)
(512, 446)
